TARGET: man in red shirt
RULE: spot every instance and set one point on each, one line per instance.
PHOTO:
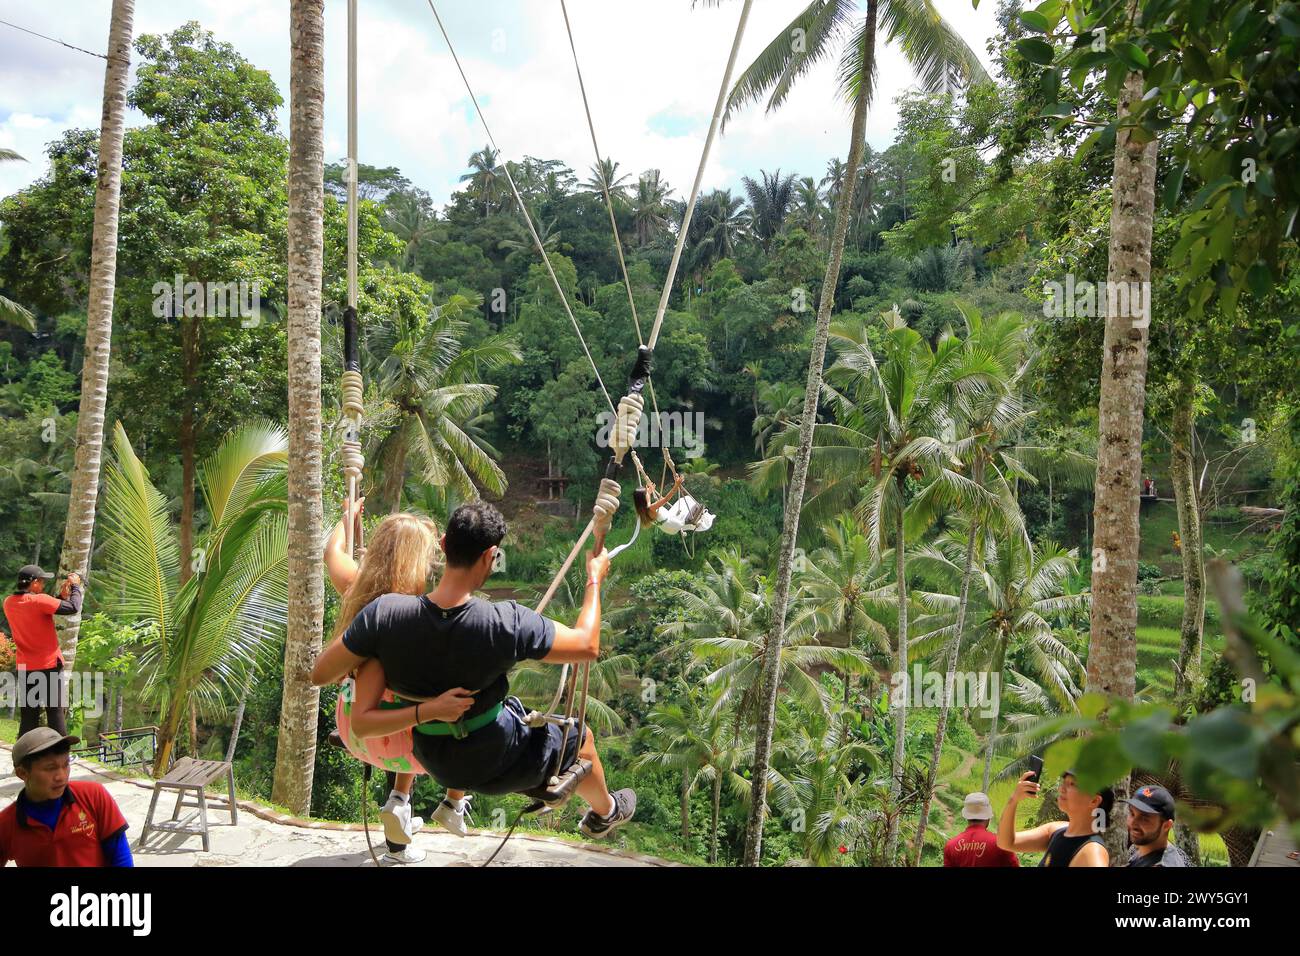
(977, 845)
(30, 612)
(56, 821)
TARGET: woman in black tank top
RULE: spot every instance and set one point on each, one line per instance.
(1061, 849)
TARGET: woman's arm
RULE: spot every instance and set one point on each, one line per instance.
(668, 496)
(369, 720)
(340, 565)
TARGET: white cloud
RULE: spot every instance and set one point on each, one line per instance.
(652, 69)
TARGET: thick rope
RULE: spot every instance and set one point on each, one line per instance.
(523, 209)
(699, 175)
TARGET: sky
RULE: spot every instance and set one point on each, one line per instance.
(651, 67)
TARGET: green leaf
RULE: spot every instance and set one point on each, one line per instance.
(1101, 762)
(1223, 739)
(1174, 187)
(1057, 110)
(1090, 705)
(1145, 741)
(1036, 51)
(1132, 55)
(1035, 21)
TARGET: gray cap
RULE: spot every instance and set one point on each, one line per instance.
(977, 806)
(35, 741)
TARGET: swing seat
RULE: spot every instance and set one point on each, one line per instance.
(557, 791)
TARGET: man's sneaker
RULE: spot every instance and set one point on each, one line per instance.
(409, 854)
(399, 825)
(598, 827)
(452, 814)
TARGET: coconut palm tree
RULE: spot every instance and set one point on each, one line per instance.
(725, 630)
(779, 404)
(936, 52)
(1021, 594)
(717, 228)
(295, 756)
(79, 529)
(605, 174)
(205, 633)
(650, 207)
(485, 178)
(693, 736)
(809, 207)
(822, 766)
(535, 684)
(431, 386)
(413, 221)
(885, 444)
(770, 202)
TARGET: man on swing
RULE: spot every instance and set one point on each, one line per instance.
(449, 639)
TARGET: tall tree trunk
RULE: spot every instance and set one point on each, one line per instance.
(239, 716)
(1112, 646)
(950, 675)
(717, 812)
(79, 530)
(686, 809)
(1182, 470)
(900, 706)
(188, 440)
(194, 730)
(999, 660)
(295, 756)
(790, 529)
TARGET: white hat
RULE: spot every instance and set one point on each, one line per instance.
(977, 807)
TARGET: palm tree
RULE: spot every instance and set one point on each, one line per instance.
(769, 204)
(431, 382)
(484, 178)
(650, 208)
(11, 311)
(726, 627)
(79, 530)
(717, 228)
(1022, 591)
(845, 585)
(779, 404)
(935, 51)
(411, 219)
(809, 207)
(535, 684)
(295, 757)
(697, 738)
(888, 419)
(604, 174)
(205, 633)
(823, 766)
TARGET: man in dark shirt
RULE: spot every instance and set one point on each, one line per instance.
(448, 640)
(1150, 820)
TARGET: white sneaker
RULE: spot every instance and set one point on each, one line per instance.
(409, 854)
(399, 825)
(452, 815)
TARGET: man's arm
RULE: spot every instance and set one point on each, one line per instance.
(70, 596)
(581, 643)
(117, 850)
(1030, 841)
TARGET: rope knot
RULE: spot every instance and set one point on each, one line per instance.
(626, 425)
(353, 390)
(605, 506)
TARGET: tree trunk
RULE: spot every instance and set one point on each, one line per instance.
(239, 716)
(900, 706)
(79, 530)
(790, 529)
(717, 812)
(949, 677)
(188, 440)
(999, 659)
(1182, 469)
(295, 756)
(167, 734)
(686, 809)
(194, 730)
(1112, 647)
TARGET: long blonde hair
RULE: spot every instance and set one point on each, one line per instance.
(402, 555)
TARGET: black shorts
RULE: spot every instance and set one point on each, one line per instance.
(527, 754)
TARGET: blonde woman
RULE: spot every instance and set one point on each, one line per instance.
(401, 557)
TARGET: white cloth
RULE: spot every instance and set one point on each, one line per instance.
(676, 518)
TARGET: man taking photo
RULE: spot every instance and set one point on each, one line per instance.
(30, 612)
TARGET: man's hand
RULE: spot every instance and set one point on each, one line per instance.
(1025, 788)
(597, 566)
(448, 707)
(74, 578)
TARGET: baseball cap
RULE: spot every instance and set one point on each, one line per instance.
(29, 573)
(1153, 800)
(41, 739)
(977, 806)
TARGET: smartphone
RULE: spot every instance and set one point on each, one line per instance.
(1036, 767)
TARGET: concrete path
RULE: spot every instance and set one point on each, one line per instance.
(265, 837)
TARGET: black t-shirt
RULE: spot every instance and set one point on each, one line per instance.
(427, 650)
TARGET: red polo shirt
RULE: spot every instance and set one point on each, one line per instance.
(977, 846)
(31, 617)
(89, 816)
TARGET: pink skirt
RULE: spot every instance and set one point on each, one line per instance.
(393, 752)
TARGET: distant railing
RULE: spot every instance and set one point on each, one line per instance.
(129, 747)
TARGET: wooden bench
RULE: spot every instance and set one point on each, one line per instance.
(190, 774)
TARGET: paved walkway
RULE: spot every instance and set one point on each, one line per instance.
(265, 837)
